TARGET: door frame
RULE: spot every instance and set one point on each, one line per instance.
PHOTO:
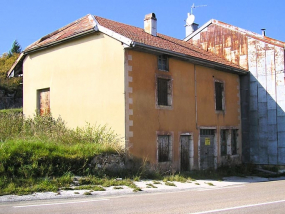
(215, 146)
(191, 147)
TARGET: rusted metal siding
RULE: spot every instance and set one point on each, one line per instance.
(262, 92)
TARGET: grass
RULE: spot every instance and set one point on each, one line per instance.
(118, 188)
(210, 184)
(149, 185)
(167, 183)
(156, 182)
(90, 187)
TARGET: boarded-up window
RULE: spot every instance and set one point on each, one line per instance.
(223, 142)
(234, 141)
(164, 92)
(44, 101)
(219, 92)
(163, 62)
(164, 148)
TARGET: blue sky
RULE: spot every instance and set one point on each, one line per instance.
(28, 21)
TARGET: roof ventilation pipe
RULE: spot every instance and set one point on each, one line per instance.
(263, 31)
(150, 24)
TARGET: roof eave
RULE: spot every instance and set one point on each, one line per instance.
(20, 58)
(195, 60)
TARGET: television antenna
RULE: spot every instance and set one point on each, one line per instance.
(194, 6)
(191, 18)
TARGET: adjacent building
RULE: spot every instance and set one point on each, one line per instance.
(262, 91)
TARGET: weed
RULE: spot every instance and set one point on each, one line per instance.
(87, 193)
(76, 193)
(149, 185)
(197, 183)
(118, 188)
(170, 184)
(156, 182)
(136, 178)
(137, 189)
(90, 187)
(210, 184)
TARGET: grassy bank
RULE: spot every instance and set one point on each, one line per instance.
(42, 154)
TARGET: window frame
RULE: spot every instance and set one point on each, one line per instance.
(234, 141)
(170, 147)
(225, 143)
(221, 101)
(163, 62)
(169, 79)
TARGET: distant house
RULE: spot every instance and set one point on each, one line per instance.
(263, 90)
(173, 103)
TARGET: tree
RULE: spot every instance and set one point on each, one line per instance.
(16, 48)
(6, 61)
(8, 84)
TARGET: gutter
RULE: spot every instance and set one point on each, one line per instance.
(192, 59)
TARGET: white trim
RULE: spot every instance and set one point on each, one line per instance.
(198, 30)
(123, 39)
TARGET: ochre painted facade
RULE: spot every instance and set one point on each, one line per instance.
(86, 81)
(148, 120)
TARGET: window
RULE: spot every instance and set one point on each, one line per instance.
(164, 148)
(219, 94)
(43, 101)
(234, 141)
(164, 92)
(223, 142)
(163, 62)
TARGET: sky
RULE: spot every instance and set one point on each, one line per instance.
(29, 20)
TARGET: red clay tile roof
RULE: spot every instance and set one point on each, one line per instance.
(162, 41)
(138, 35)
(77, 27)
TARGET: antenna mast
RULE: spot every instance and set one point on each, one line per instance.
(193, 6)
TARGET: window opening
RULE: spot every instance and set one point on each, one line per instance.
(164, 92)
(234, 141)
(44, 101)
(219, 92)
(164, 148)
(223, 142)
(163, 62)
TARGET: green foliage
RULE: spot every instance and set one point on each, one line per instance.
(167, 183)
(8, 84)
(16, 48)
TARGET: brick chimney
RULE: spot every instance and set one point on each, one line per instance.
(150, 24)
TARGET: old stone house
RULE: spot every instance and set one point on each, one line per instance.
(168, 99)
(262, 90)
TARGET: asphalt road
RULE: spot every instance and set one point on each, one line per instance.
(263, 197)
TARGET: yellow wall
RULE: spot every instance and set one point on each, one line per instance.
(86, 81)
(147, 119)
